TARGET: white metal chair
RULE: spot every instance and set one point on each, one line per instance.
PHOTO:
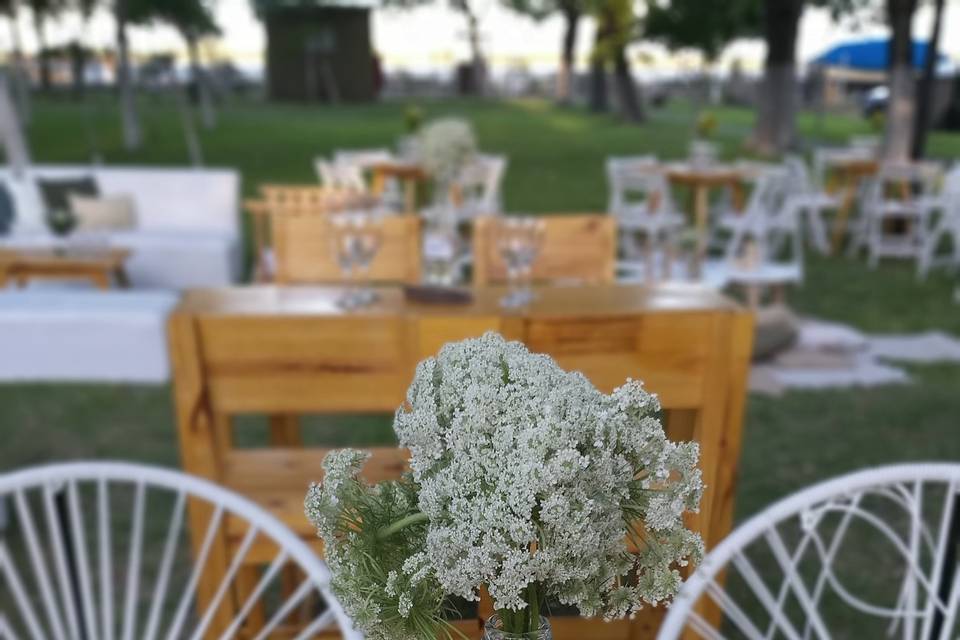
(641, 200)
(866, 555)
(941, 222)
(811, 202)
(102, 550)
(480, 187)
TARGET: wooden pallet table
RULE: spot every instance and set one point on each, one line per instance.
(288, 352)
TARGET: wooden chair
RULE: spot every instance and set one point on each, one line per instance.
(285, 353)
(576, 248)
(314, 197)
(292, 199)
(304, 253)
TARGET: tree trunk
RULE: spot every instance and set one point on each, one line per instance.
(78, 62)
(775, 129)
(39, 25)
(925, 94)
(477, 67)
(599, 102)
(899, 133)
(628, 97)
(208, 115)
(14, 143)
(20, 82)
(194, 150)
(571, 16)
(132, 134)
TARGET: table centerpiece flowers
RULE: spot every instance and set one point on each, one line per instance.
(525, 481)
(445, 147)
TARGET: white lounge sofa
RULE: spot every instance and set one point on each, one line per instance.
(90, 336)
(188, 222)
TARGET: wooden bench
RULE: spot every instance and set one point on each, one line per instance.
(286, 352)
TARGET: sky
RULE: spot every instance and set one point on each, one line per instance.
(509, 40)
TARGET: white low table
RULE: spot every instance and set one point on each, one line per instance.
(84, 336)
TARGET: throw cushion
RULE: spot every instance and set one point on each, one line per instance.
(56, 192)
(27, 204)
(112, 213)
(776, 331)
(8, 211)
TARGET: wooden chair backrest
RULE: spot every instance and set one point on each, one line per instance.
(293, 199)
(576, 248)
(304, 251)
(312, 197)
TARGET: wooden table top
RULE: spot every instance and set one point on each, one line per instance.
(400, 169)
(717, 173)
(551, 302)
(106, 258)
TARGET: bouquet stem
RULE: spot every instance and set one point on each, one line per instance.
(402, 523)
(526, 620)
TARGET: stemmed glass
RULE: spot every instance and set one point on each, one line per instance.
(356, 239)
(519, 240)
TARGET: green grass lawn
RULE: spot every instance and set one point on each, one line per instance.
(556, 164)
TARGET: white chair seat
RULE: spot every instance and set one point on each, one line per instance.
(819, 201)
(638, 218)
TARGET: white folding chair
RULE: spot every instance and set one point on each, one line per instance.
(811, 202)
(101, 550)
(768, 219)
(358, 162)
(912, 185)
(866, 555)
(941, 221)
(480, 187)
(641, 200)
(340, 176)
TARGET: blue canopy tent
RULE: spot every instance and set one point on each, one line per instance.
(871, 55)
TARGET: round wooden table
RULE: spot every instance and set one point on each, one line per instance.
(845, 175)
(700, 181)
(409, 173)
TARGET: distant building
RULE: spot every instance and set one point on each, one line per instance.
(847, 72)
(319, 52)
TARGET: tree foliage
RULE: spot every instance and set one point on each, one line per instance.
(704, 26)
(187, 16)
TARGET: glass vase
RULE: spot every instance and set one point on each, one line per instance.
(441, 241)
(492, 631)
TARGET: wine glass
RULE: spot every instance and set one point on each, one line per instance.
(518, 240)
(368, 230)
(356, 238)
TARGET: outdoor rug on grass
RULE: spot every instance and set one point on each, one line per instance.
(828, 355)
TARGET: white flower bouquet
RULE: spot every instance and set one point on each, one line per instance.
(526, 480)
(445, 146)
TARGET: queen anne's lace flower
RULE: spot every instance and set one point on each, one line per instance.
(527, 475)
(445, 146)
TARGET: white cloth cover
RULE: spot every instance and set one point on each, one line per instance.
(90, 336)
(188, 223)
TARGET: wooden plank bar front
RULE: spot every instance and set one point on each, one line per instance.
(289, 351)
